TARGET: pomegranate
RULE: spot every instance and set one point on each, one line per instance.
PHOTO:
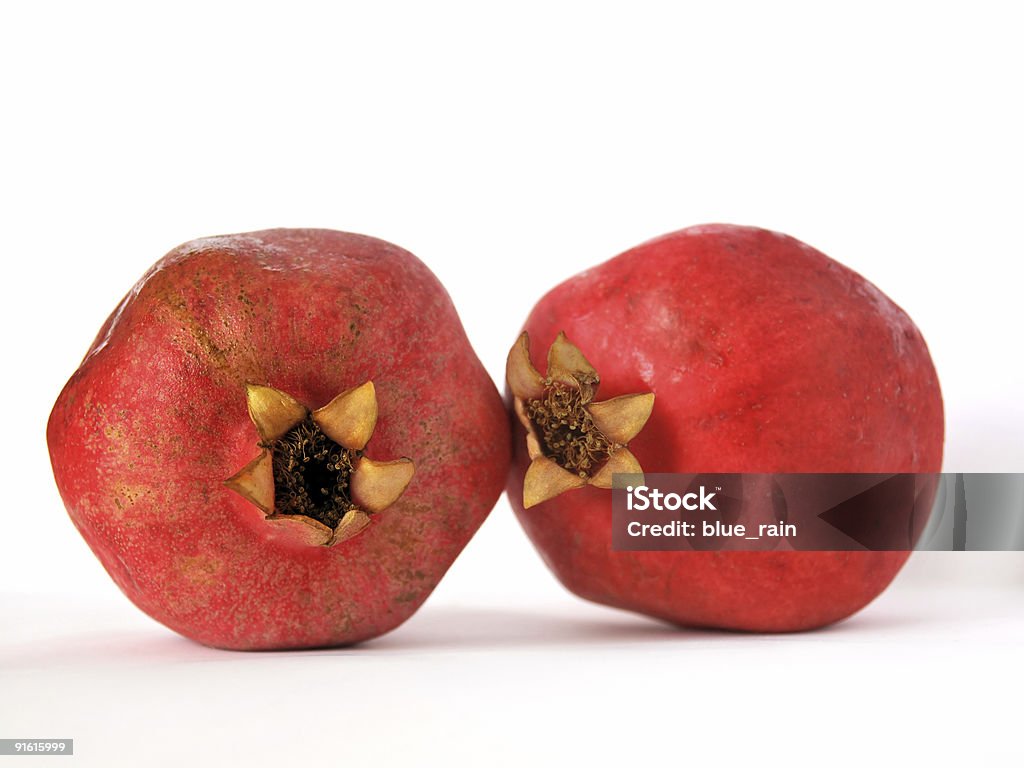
(280, 439)
(721, 349)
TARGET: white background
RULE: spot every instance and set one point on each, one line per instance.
(509, 147)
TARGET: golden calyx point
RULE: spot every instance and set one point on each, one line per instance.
(566, 364)
(545, 480)
(272, 411)
(376, 485)
(621, 418)
(255, 482)
(350, 418)
(571, 440)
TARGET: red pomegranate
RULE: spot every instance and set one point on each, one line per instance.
(716, 349)
(280, 439)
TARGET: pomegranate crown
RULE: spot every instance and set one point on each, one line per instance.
(572, 441)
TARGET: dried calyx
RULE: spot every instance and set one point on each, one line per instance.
(312, 470)
(571, 440)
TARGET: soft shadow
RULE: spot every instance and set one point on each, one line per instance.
(442, 629)
(433, 630)
(467, 628)
(461, 629)
(872, 622)
(458, 628)
(127, 647)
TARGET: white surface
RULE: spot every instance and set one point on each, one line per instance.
(922, 677)
(510, 148)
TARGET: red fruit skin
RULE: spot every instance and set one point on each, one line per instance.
(146, 431)
(764, 356)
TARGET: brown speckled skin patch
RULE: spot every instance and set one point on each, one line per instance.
(147, 430)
